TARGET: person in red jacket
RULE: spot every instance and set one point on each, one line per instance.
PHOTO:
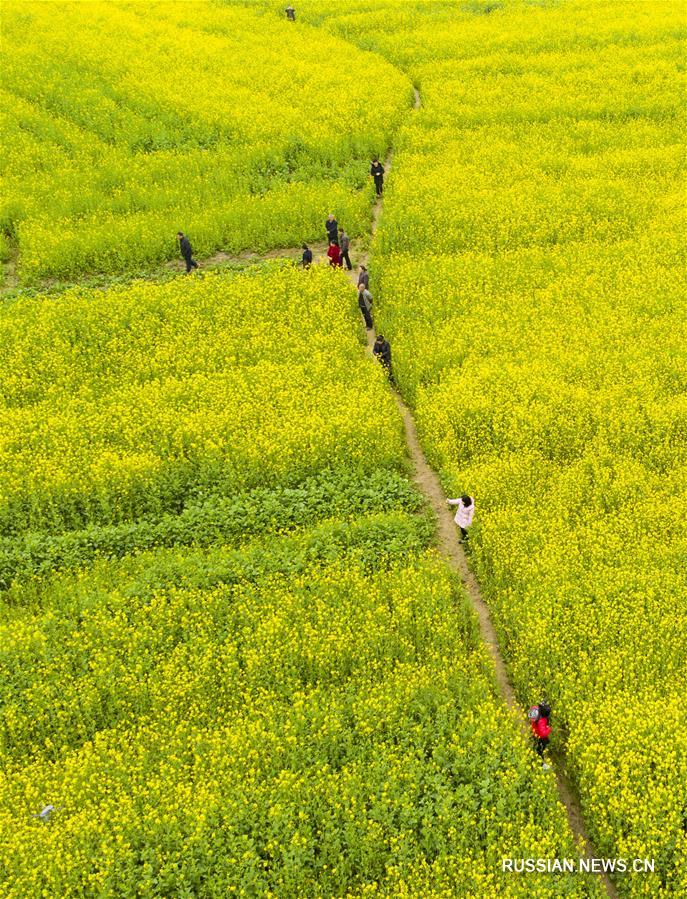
(334, 253)
(540, 722)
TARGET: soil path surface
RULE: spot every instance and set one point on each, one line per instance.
(427, 481)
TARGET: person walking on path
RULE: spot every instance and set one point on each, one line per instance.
(334, 254)
(363, 277)
(332, 227)
(464, 514)
(540, 722)
(382, 352)
(306, 262)
(345, 244)
(186, 251)
(290, 13)
(377, 172)
(365, 305)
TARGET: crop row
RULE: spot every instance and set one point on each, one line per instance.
(214, 519)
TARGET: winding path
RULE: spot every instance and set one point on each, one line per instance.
(452, 551)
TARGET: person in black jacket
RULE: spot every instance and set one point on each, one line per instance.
(363, 277)
(332, 227)
(382, 351)
(186, 251)
(345, 244)
(307, 256)
(377, 172)
(290, 13)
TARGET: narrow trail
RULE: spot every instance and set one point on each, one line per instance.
(452, 551)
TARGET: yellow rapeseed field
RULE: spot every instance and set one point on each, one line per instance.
(231, 661)
(531, 257)
(227, 126)
(305, 712)
(125, 402)
(300, 717)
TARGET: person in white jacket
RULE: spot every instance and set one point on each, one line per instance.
(464, 514)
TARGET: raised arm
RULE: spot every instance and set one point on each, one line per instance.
(453, 502)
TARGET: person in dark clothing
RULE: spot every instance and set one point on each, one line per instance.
(332, 227)
(186, 251)
(382, 351)
(290, 13)
(363, 277)
(365, 305)
(345, 244)
(307, 256)
(377, 172)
